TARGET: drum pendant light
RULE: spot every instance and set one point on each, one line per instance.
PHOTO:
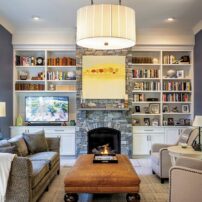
(106, 26)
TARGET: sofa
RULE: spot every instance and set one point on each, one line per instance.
(186, 180)
(160, 158)
(31, 170)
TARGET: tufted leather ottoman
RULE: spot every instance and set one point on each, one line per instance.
(87, 177)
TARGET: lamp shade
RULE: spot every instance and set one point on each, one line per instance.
(2, 109)
(197, 121)
(106, 26)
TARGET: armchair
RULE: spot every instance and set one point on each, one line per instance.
(160, 158)
(186, 180)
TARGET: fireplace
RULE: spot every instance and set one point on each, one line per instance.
(99, 137)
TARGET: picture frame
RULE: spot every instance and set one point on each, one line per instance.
(155, 122)
(136, 122)
(154, 108)
(185, 109)
(170, 122)
(147, 121)
(166, 108)
(187, 122)
(180, 74)
(137, 109)
(165, 122)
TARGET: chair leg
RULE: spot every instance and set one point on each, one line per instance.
(58, 172)
(153, 172)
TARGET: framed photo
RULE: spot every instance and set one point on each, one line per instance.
(187, 122)
(146, 121)
(185, 108)
(137, 109)
(135, 122)
(180, 73)
(166, 108)
(154, 108)
(155, 122)
(170, 122)
(165, 122)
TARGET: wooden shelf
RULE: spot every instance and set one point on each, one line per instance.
(179, 65)
(176, 79)
(146, 102)
(146, 78)
(143, 114)
(30, 80)
(176, 113)
(103, 109)
(146, 91)
(144, 64)
(35, 67)
(61, 66)
(176, 91)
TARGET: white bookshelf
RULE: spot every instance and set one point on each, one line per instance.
(63, 86)
(173, 93)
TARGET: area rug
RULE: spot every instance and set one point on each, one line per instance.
(151, 190)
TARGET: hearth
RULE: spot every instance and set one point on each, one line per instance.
(104, 137)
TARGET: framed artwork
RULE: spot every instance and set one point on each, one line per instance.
(146, 121)
(170, 122)
(103, 77)
(155, 122)
(180, 73)
(166, 108)
(185, 108)
(137, 109)
(154, 108)
(187, 122)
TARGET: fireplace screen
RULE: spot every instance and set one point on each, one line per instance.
(104, 141)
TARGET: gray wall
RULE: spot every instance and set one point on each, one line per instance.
(6, 79)
(198, 74)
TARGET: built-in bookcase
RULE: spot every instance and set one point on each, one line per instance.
(162, 86)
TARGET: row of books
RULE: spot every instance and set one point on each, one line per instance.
(61, 61)
(176, 97)
(60, 75)
(29, 86)
(145, 60)
(153, 85)
(139, 97)
(146, 73)
(177, 85)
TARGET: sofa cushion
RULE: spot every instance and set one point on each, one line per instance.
(40, 169)
(155, 158)
(8, 149)
(50, 157)
(184, 137)
(36, 142)
(5, 143)
(20, 144)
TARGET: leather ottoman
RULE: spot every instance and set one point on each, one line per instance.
(88, 177)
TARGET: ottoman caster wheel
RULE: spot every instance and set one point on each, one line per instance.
(71, 197)
(133, 197)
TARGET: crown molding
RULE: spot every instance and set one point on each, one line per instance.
(197, 27)
(6, 25)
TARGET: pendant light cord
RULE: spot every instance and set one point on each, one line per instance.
(93, 3)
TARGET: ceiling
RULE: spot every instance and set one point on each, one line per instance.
(61, 14)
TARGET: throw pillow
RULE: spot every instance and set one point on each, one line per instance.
(9, 149)
(36, 142)
(184, 137)
(21, 146)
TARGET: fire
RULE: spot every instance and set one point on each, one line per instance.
(105, 149)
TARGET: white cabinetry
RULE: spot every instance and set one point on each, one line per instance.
(66, 133)
(144, 137)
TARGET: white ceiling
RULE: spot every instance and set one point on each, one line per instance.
(61, 14)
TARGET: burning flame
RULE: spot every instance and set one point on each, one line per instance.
(105, 149)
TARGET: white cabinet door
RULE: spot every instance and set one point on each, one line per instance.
(172, 135)
(67, 144)
(140, 144)
(157, 138)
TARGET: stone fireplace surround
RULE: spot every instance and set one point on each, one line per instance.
(89, 120)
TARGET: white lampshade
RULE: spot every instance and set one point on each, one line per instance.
(197, 121)
(2, 109)
(106, 26)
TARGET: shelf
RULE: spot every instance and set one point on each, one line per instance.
(43, 91)
(146, 102)
(176, 91)
(176, 113)
(143, 64)
(146, 91)
(176, 102)
(176, 79)
(35, 67)
(146, 78)
(30, 80)
(73, 80)
(61, 66)
(143, 114)
(179, 65)
(103, 109)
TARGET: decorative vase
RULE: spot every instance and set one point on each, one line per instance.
(19, 120)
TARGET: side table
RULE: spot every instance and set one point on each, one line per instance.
(177, 151)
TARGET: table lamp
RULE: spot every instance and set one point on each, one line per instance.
(2, 113)
(198, 123)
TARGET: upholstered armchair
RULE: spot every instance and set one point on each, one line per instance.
(186, 180)
(160, 158)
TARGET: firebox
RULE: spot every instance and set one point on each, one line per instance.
(100, 137)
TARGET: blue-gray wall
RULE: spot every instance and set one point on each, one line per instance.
(6, 79)
(198, 74)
